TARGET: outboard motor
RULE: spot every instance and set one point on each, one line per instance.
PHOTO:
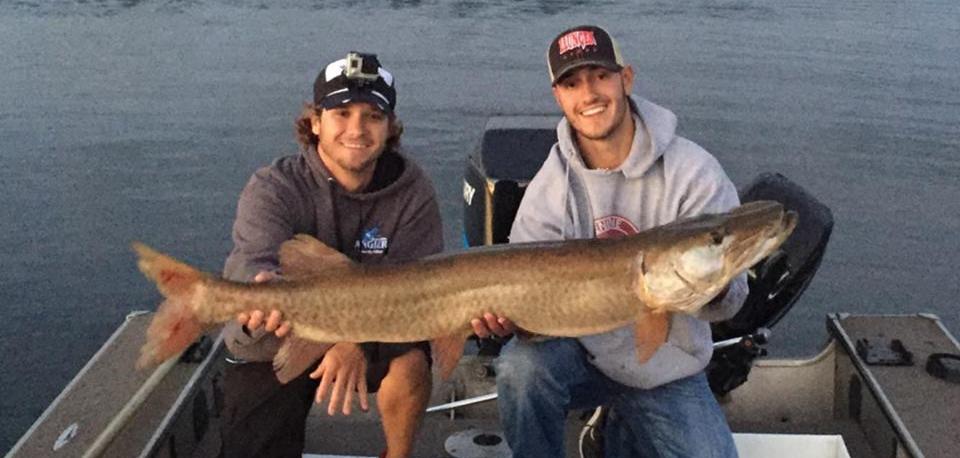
(511, 151)
(775, 283)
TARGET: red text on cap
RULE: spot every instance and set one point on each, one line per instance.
(576, 39)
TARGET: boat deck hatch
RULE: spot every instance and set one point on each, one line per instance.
(888, 352)
(918, 409)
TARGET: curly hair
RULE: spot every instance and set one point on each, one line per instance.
(303, 129)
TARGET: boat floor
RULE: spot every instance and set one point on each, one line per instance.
(364, 437)
(360, 435)
(878, 410)
(326, 436)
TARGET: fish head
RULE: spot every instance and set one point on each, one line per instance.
(692, 260)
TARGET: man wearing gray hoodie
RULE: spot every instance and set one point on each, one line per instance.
(618, 168)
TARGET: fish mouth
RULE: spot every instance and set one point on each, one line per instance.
(774, 224)
(710, 252)
(767, 217)
(757, 228)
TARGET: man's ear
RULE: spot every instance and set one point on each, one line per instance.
(556, 95)
(627, 76)
(315, 124)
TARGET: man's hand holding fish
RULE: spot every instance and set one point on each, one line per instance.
(489, 325)
(252, 320)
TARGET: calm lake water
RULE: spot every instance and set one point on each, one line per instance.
(142, 120)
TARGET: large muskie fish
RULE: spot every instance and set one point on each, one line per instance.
(569, 288)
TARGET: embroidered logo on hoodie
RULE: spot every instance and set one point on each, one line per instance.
(613, 226)
(372, 242)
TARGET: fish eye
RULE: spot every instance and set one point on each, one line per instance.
(717, 237)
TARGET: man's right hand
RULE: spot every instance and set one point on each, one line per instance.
(253, 320)
(490, 324)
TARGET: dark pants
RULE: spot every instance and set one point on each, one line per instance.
(262, 418)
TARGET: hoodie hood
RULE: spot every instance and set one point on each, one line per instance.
(651, 120)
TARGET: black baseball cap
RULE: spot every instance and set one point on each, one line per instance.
(580, 46)
(358, 77)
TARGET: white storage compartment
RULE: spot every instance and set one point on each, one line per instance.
(751, 445)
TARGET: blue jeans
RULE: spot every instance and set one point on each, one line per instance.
(539, 382)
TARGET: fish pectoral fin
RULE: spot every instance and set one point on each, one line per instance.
(304, 256)
(295, 356)
(650, 332)
(446, 352)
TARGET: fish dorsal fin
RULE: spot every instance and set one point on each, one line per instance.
(650, 332)
(304, 256)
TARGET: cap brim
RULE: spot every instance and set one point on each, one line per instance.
(346, 97)
(564, 71)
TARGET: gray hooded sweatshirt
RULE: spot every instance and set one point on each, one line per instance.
(665, 177)
(397, 221)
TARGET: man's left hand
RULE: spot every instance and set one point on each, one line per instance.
(343, 375)
(490, 324)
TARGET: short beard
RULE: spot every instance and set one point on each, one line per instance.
(617, 123)
(602, 135)
(365, 166)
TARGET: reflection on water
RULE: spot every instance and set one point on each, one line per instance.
(458, 8)
(141, 120)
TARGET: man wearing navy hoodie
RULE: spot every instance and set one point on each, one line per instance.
(618, 168)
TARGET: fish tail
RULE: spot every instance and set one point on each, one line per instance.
(174, 326)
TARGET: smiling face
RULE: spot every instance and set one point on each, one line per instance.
(594, 101)
(351, 137)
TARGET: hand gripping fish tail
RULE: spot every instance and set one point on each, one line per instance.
(174, 326)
